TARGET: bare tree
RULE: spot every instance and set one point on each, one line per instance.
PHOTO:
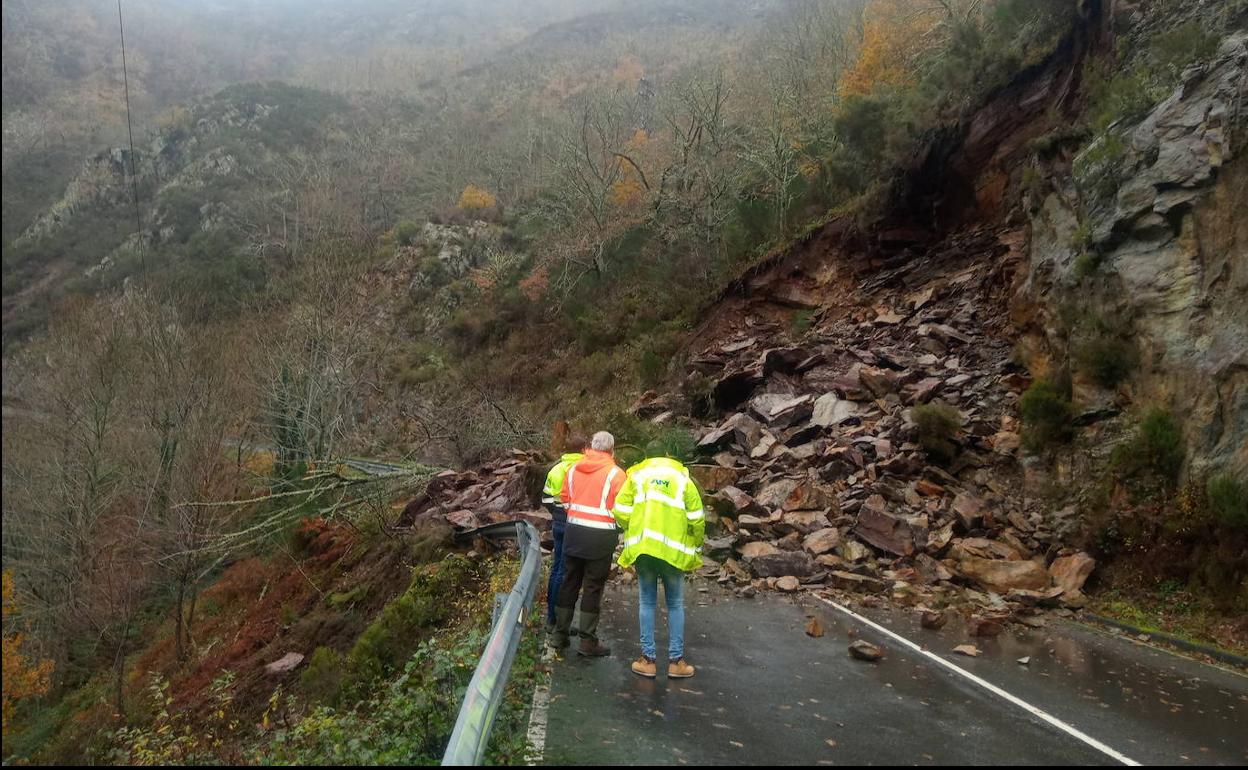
(588, 157)
(76, 535)
(185, 419)
(773, 153)
(696, 187)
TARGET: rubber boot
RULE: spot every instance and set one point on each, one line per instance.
(558, 637)
(590, 646)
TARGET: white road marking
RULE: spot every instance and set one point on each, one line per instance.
(537, 715)
(1037, 712)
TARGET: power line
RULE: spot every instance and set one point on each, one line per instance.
(134, 177)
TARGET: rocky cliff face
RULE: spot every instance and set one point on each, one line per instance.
(1147, 235)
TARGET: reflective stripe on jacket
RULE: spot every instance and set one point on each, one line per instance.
(660, 511)
(589, 490)
(554, 478)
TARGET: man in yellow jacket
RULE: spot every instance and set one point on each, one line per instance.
(576, 446)
(660, 510)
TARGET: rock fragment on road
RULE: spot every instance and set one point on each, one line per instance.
(864, 650)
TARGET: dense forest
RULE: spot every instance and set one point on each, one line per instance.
(425, 231)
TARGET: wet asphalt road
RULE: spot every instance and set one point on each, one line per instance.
(766, 693)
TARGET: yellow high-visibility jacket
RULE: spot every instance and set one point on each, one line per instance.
(660, 510)
(554, 479)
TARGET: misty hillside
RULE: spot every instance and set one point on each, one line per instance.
(941, 303)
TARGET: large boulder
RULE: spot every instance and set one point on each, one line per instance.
(774, 495)
(983, 548)
(738, 503)
(712, 477)
(781, 410)
(802, 521)
(830, 409)
(1001, 576)
(719, 548)
(878, 382)
(822, 540)
(781, 563)
(740, 429)
(897, 535)
(757, 548)
(853, 551)
(1070, 572)
(969, 509)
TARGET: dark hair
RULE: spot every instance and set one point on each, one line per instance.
(575, 442)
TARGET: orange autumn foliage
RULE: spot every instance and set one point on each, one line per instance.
(627, 192)
(535, 284)
(893, 33)
(23, 677)
(474, 198)
(628, 70)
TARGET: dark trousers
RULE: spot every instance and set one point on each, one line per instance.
(556, 572)
(587, 574)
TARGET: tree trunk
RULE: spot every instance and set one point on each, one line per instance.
(190, 613)
(119, 681)
(179, 643)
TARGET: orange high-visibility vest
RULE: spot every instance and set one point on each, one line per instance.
(590, 488)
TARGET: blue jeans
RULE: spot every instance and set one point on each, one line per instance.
(649, 572)
(556, 572)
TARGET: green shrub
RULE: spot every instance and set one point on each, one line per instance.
(411, 376)
(1174, 49)
(802, 321)
(321, 680)
(1115, 95)
(937, 425)
(214, 278)
(1155, 451)
(1106, 358)
(677, 443)
(1086, 264)
(389, 640)
(862, 123)
(1034, 186)
(1160, 442)
(406, 721)
(1127, 86)
(635, 439)
(1047, 416)
(651, 367)
(1101, 167)
(406, 232)
(1228, 500)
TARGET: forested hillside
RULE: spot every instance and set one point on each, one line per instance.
(1006, 231)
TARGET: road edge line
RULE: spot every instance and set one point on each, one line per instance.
(536, 735)
(989, 686)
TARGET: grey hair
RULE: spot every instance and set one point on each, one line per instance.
(602, 441)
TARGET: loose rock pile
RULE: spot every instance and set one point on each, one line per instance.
(502, 490)
(817, 478)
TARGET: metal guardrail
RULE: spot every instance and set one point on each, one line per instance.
(485, 691)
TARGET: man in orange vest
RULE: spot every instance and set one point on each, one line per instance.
(588, 494)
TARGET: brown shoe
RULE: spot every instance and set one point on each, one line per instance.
(679, 669)
(592, 648)
(644, 666)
